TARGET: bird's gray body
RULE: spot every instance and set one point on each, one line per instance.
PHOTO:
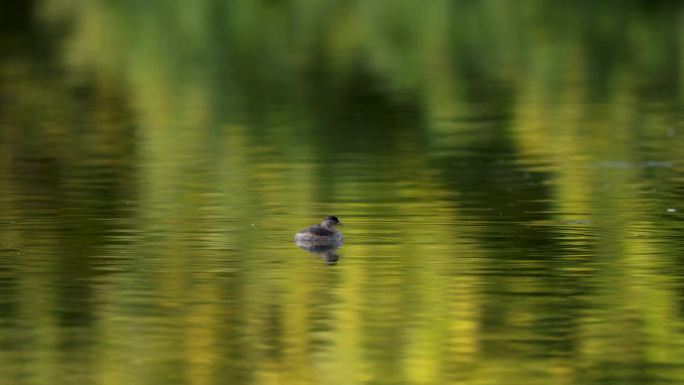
(321, 234)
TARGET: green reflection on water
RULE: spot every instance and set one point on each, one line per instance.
(504, 169)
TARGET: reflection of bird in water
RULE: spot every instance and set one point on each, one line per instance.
(322, 239)
(327, 253)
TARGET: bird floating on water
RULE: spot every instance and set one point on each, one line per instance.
(323, 234)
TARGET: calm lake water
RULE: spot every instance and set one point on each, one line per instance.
(510, 175)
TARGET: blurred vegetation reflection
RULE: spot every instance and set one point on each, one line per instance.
(511, 176)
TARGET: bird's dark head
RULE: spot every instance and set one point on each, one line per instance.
(330, 221)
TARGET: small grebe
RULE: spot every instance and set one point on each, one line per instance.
(323, 233)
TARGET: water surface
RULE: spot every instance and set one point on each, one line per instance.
(511, 177)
